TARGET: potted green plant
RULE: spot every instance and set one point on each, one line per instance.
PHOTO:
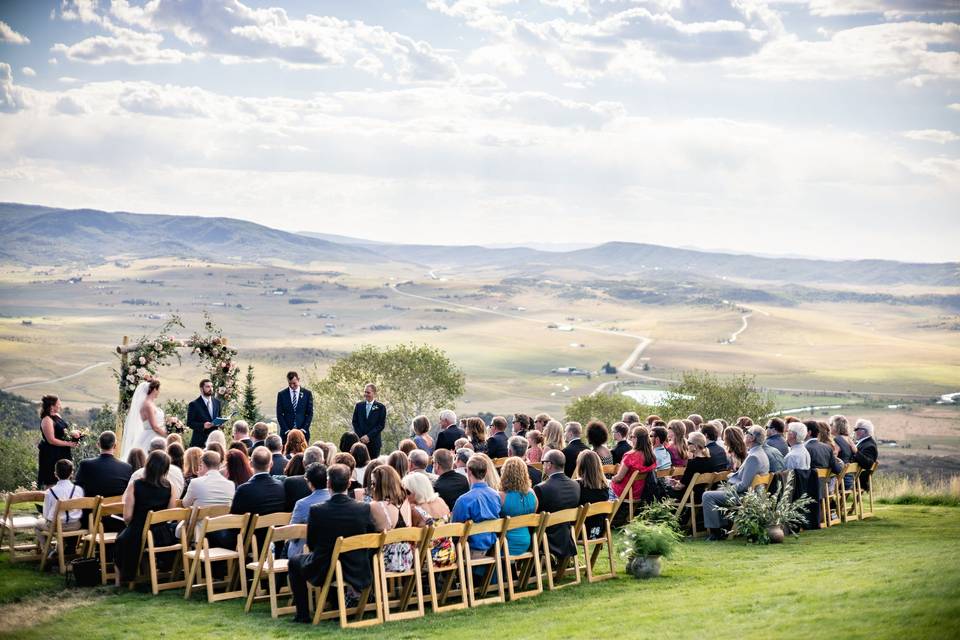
(645, 544)
(763, 517)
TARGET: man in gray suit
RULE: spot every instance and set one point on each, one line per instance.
(756, 464)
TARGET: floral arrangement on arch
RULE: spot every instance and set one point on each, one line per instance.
(142, 361)
(219, 359)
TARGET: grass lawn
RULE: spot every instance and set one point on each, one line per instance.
(893, 576)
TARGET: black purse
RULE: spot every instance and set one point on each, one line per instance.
(85, 572)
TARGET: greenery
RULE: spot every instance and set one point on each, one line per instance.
(660, 512)
(149, 353)
(249, 407)
(411, 380)
(608, 408)
(897, 489)
(101, 420)
(18, 460)
(889, 571)
(641, 539)
(712, 397)
(17, 414)
(754, 512)
(220, 361)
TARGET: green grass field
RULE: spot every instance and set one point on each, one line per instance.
(886, 577)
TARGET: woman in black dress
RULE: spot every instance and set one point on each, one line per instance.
(150, 493)
(53, 445)
(593, 488)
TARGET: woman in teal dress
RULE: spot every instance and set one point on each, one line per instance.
(517, 499)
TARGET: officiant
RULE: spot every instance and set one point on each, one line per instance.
(201, 414)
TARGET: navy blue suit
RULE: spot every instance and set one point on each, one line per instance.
(370, 426)
(289, 419)
(197, 415)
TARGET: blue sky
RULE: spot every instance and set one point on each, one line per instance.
(818, 127)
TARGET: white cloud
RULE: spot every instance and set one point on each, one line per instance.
(28, 71)
(124, 45)
(936, 136)
(69, 106)
(889, 8)
(8, 35)
(955, 106)
(11, 96)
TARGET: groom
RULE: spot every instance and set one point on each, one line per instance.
(200, 414)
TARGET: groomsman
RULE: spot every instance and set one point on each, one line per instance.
(294, 407)
(369, 419)
(200, 414)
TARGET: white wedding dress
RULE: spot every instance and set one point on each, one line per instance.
(137, 432)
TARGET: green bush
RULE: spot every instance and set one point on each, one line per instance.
(715, 397)
(754, 512)
(18, 460)
(644, 539)
(608, 408)
(660, 512)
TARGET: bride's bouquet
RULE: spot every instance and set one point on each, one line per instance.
(174, 425)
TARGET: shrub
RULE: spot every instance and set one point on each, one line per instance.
(660, 512)
(715, 397)
(645, 539)
(606, 407)
(18, 460)
(755, 511)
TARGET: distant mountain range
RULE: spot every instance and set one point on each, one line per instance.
(38, 235)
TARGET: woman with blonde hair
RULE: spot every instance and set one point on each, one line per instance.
(593, 488)
(391, 510)
(217, 436)
(296, 443)
(553, 436)
(428, 509)
(477, 433)
(516, 499)
(492, 477)
(534, 446)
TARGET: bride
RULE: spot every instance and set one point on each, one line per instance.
(144, 420)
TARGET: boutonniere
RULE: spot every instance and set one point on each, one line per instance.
(373, 408)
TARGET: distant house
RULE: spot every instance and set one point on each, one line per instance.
(608, 369)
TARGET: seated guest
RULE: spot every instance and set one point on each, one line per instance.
(744, 422)
(556, 493)
(630, 418)
(175, 451)
(659, 435)
(238, 469)
(697, 462)
(774, 456)
(497, 442)
(361, 455)
(450, 485)
(775, 431)
(421, 434)
(476, 433)
(364, 493)
(400, 462)
(461, 459)
(406, 446)
(521, 424)
(210, 487)
(516, 499)
(840, 430)
(260, 433)
(593, 488)
(697, 421)
(718, 457)
(296, 443)
(677, 443)
(821, 454)
(219, 448)
(492, 477)
(736, 448)
(756, 463)
(517, 447)
(597, 436)
(418, 462)
(316, 479)
(340, 516)
(347, 441)
(391, 510)
(262, 493)
(427, 507)
(174, 437)
(217, 436)
(137, 458)
(462, 443)
(278, 461)
(174, 474)
(348, 460)
(104, 475)
(621, 431)
(295, 484)
(151, 492)
(329, 451)
(572, 436)
(640, 458)
(797, 456)
(534, 446)
(241, 433)
(865, 452)
(449, 432)
(191, 465)
(64, 489)
(479, 504)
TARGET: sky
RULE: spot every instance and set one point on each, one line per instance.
(827, 128)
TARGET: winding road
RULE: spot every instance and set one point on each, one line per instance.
(60, 379)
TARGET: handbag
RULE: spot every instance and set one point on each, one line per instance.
(85, 572)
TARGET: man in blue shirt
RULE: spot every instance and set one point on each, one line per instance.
(479, 504)
(316, 475)
(659, 435)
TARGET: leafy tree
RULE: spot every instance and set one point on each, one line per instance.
(249, 408)
(18, 460)
(411, 380)
(715, 397)
(606, 407)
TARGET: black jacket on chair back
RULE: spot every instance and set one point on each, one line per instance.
(339, 516)
(556, 493)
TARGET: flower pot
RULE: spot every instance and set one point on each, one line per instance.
(644, 567)
(775, 534)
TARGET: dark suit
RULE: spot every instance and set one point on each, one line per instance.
(288, 418)
(448, 437)
(618, 451)
(865, 456)
(536, 476)
(570, 452)
(261, 494)
(821, 456)
(339, 516)
(718, 457)
(777, 442)
(497, 445)
(279, 462)
(248, 443)
(295, 487)
(197, 415)
(450, 486)
(556, 493)
(370, 426)
(103, 476)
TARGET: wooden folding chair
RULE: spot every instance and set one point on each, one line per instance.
(60, 536)
(99, 538)
(149, 547)
(206, 555)
(834, 501)
(761, 481)
(537, 465)
(370, 543)
(456, 531)
(569, 518)
(25, 525)
(627, 496)
(610, 469)
(868, 511)
(258, 523)
(526, 561)
(852, 494)
(690, 500)
(270, 566)
(197, 516)
(492, 561)
(665, 473)
(405, 583)
(593, 547)
(498, 462)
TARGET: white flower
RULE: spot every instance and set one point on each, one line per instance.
(143, 360)
(142, 372)
(222, 390)
(130, 377)
(131, 387)
(133, 369)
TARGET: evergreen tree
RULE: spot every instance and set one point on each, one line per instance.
(249, 410)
